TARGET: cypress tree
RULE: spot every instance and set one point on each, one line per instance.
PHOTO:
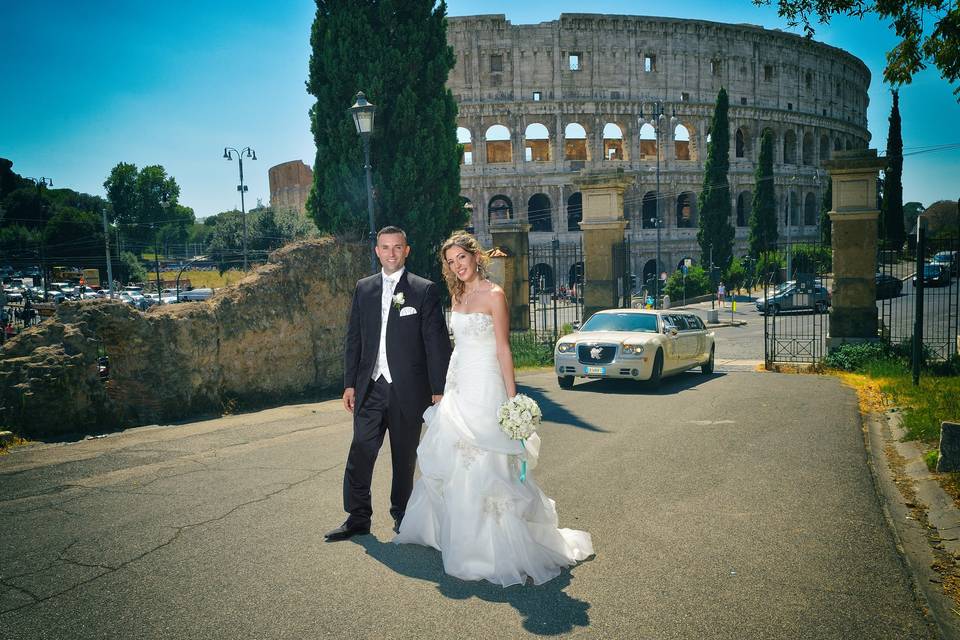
(395, 51)
(894, 232)
(763, 212)
(715, 231)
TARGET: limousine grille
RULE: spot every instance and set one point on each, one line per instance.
(596, 353)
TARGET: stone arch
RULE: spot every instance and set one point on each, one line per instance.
(539, 212)
(648, 142)
(499, 145)
(837, 144)
(613, 147)
(686, 210)
(648, 210)
(466, 205)
(650, 272)
(741, 149)
(794, 209)
(575, 142)
(810, 210)
(744, 203)
(824, 147)
(683, 261)
(574, 211)
(682, 147)
(500, 208)
(541, 278)
(849, 145)
(465, 140)
(536, 143)
(807, 148)
(790, 147)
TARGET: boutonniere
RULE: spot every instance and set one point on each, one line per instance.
(398, 300)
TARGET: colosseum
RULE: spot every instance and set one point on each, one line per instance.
(540, 102)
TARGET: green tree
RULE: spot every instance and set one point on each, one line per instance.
(715, 233)
(894, 233)
(131, 267)
(74, 238)
(826, 225)
(142, 201)
(763, 212)
(226, 240)
(912, 211)
(735, 276)
(696, 283)
(397, 52)
(929, 31)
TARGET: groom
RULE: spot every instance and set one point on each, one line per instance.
(395, 364)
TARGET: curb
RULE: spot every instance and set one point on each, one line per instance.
(912, 537)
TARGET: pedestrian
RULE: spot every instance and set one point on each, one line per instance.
(721, 294)
(9, 331)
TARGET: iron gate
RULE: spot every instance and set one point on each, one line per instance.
(556, 289)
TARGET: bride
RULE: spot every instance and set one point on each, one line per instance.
(469, 501)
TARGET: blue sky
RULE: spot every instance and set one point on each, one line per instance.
(90, 84)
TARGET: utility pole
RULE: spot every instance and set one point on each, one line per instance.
(106, 244)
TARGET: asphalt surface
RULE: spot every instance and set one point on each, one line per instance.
(737, 505)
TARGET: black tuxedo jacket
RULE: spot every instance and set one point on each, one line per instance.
(418, 345)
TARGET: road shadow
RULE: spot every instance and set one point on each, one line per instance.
(546, 609)
(673, 384)
(555, 412)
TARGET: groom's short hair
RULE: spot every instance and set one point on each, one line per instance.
(390, 230)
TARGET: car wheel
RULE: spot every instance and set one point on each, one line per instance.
(819, 307)
(773, 310)
(657, 374)
(707, 367)
(565, 382)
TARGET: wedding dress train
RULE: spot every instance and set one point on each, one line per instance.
(469, 502)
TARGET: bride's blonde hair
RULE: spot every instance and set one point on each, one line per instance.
(468, 243)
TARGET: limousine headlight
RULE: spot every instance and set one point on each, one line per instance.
(632, 349)
(565, 347)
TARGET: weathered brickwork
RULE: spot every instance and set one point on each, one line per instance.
(552, 91)
(290, 184)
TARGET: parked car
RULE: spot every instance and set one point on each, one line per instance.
(934, 275)
(201, 293)
(888, 286)
(794, 296)
(634, 344)
(947, 259)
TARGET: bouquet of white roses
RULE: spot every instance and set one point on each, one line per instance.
(519, 417)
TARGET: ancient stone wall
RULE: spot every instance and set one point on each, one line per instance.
(276, 335)
(290, 184)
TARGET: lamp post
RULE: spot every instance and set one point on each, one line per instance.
(42, 182)
(164, 204)
(228, 153)
(180, 273)
(656, 120)
(362, 112)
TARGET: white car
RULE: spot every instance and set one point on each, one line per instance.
(636, 344)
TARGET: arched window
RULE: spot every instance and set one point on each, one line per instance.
(612, 142)
(824, 148)
(539, 213)
(574, 211)
(794, 209)
(649, 273)
(466, 207)
(681, 142)
(465, 140)
(810, 210)
(744, 203)
(790, 147)
(808, 148)
(499, 209)
(849, 145)
(649, 210)
(837, 144)
(499, 147)
(536, 143)
(648, 142)
(741, 144)
(541, 278)
(686, 210)
(575, 142)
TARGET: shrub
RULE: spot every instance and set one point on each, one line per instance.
(854, 357)
(529, 350)
(697, 283)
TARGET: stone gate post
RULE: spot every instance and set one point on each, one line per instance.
(855, 219)
(513, 238)
(603, 227)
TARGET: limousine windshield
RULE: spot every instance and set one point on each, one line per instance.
(643, 322)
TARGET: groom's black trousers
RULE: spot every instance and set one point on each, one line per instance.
(375, 415)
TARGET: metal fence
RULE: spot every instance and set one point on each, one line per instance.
(19, 317)
(556, 289)
(897, 296)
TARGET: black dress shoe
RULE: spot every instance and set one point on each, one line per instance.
(345, 532)
(396, 524)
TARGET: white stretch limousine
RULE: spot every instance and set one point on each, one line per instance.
(634, 344)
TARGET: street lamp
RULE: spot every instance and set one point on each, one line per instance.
(362, 113)
(656, 120)
(228, 153)
(42, 182)
(164, 204)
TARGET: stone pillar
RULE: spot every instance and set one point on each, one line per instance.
(512, 238)
(855, 219)
(603, 226)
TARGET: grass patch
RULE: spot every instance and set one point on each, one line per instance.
(212, 279)
(530, 352)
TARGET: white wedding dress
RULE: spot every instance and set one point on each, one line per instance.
(469, 502)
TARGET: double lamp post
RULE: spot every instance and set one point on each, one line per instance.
(656, 120)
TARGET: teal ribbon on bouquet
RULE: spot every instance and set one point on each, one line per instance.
(523, 464)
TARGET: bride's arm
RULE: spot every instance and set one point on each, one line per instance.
(501, 329)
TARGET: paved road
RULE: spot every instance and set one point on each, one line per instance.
(736, 505)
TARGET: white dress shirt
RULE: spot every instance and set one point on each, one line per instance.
(386, 299)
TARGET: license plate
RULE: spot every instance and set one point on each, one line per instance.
(595, 370)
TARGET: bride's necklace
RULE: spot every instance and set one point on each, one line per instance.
(467, 294)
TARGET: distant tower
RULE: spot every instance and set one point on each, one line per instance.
(290, 184)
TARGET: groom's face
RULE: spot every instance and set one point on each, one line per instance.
(392, 250)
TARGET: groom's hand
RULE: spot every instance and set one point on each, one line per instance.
(436, 399)
(348, 398)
